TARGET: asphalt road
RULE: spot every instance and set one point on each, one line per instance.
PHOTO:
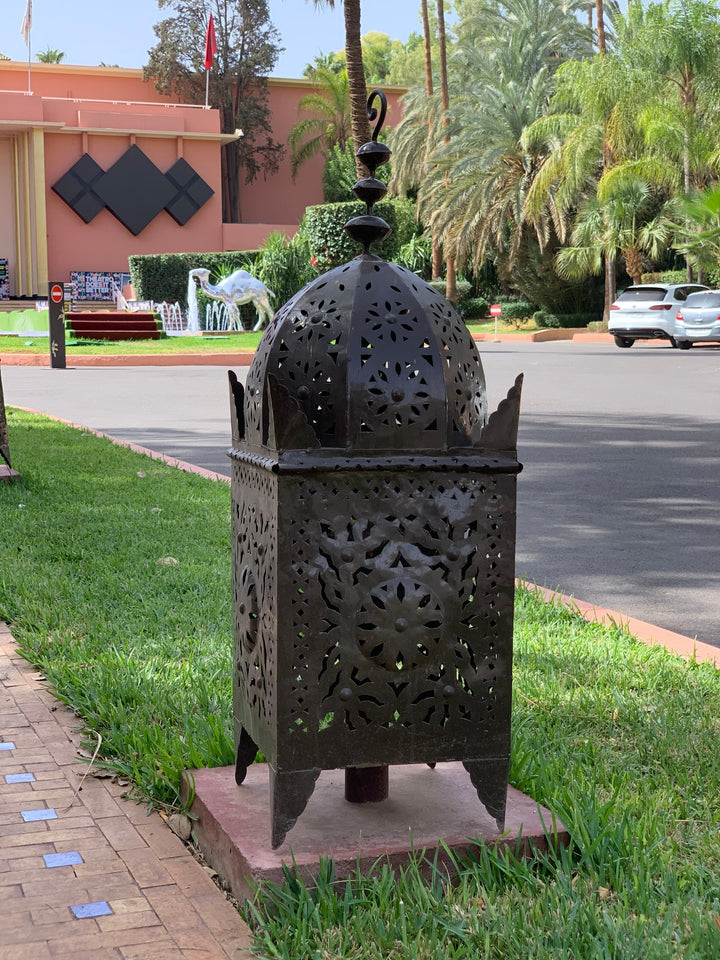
(619, 499)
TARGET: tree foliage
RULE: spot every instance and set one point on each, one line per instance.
(327, 121)
(50, 56)
(247, 49)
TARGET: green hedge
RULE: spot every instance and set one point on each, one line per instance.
(464, 290)
(517, 310)
(563, 321)
(164, 276)
(476, 307)
(330, 246)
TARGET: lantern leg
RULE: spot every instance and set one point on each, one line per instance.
(289, 794)
(490, 779)
(245, 755)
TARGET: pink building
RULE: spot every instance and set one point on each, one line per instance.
(95, 165)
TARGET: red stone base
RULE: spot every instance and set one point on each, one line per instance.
(232, 827)
(7, 474)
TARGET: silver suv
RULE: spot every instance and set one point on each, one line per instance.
(647, 311)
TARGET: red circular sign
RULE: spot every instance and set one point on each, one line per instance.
(56, 293)
(495, 310)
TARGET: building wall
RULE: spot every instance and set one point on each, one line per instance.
(103, 111)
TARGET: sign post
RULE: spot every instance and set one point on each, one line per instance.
(56, 296)
(495, 311)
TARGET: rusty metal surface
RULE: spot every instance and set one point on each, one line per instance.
(373, 540)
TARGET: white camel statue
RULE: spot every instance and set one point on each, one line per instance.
(240, 287)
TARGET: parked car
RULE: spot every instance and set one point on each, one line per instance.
(698, 320)
(647, 311)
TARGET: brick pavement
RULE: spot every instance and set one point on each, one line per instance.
(88, 875)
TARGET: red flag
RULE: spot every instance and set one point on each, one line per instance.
(210, 43)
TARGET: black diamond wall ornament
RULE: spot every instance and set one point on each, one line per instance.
(134, 190)
(77, 188)
(191, 192)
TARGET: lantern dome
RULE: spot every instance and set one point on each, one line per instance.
(367, 357)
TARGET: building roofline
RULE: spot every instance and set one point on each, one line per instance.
(20, 66)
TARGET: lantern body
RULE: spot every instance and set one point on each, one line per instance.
(374, 541)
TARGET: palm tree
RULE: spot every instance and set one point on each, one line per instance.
(591, 128)
(499, 89)
(699, 237)
(489, 172)
(622, 220)
(355, 73)
(679, 44)
(328, 123)
(50, 56)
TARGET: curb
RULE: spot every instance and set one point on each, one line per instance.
(238, 359)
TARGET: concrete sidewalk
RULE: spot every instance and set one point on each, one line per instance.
(87, 875)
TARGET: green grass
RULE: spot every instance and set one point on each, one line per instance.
(620, 740)
(139, 647)
(223, 343)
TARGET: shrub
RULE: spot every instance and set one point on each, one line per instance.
(546, 321)
(517, 311)
(164, 276)
(710, 277)
(665, 276)
(476, 307)
(284, 266)
(416, 255)
(330, 246)
(464, 291)
(339, 174)
(565, 321)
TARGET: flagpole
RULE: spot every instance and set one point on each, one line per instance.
(210, 51)
(26, 34)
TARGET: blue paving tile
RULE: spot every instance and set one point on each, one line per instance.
(62, 859)
(19, 777)
(98, 909)
(45, 814)
(7, 745)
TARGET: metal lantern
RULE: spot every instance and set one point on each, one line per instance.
(373, 506)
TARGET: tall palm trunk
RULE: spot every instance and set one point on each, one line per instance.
(688, 99)
(356, 79)
(428, 48)
(451, 284)
(609, 262)
(600, 17)
(436, 248)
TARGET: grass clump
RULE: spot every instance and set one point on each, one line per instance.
(115, 574)
(619, 741)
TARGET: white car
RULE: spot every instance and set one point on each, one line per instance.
(698, 320)
(647, 311)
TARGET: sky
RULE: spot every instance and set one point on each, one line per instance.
(93, 31)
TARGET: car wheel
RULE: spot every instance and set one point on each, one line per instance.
(684, 344)
(623, 342)
(673, 342)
